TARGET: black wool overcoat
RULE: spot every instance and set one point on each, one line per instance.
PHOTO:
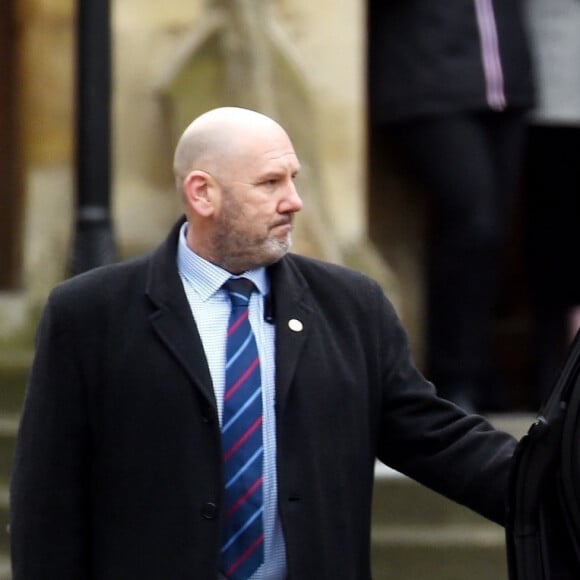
(117, 473)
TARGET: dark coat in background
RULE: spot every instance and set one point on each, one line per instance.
(118, 472)
(425, 57)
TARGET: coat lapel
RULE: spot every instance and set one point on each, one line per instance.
(172, 319)
(293, 314)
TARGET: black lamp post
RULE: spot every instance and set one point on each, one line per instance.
(94, 243)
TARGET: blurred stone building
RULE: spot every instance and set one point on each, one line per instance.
(299, 61)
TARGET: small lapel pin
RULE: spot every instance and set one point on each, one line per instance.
(295, 325)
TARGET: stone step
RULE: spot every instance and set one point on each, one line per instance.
(5, 573)
(401, 501)
(14, 368)
(8, 432)
(517, 424)
(4, 538)
(419, 534)
(448, 552)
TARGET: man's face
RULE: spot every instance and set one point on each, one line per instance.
(254, 218)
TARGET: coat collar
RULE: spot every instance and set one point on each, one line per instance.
(294, 316)
(171, 317)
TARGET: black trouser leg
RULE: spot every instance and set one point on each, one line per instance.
(468, 164)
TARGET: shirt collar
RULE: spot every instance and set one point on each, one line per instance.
(207, 278)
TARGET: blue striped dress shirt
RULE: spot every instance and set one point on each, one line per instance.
(210, 306)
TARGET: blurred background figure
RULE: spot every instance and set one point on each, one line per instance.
(552, 185)
(450, 83)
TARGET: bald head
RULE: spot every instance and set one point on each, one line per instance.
(212, 139)
(235, 171)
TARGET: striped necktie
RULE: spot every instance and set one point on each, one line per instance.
(242, 550)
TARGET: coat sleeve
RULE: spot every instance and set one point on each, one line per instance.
(49, 488)
(433, 441)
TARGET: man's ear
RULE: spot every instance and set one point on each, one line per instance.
(198, 186)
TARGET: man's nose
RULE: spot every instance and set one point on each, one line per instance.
(291, 201)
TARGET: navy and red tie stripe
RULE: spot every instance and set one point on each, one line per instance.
(242, 550)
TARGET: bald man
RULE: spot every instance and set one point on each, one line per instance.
(122, 469)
